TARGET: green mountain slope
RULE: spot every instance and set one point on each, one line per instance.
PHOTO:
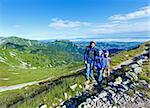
(23, 53)
(23, 60)
(18, 41)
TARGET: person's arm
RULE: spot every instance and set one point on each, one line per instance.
(103, 62)
(110, 60)
(95, 58)
(85, 56)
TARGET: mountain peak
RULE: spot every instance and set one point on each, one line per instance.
(18, 40)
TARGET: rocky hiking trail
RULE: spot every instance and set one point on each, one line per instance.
(123, 89)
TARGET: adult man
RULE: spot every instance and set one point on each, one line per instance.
(89, 56)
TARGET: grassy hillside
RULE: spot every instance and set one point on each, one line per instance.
(23, 60)
(35, 53)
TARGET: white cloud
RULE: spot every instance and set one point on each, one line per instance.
(135, 23)
(141, 13)
(59, 24)
(119, 24)
(125, 27)
(124, 24)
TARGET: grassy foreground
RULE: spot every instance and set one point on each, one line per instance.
(33, 96)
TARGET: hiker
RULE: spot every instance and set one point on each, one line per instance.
(89, 56)
(99, 64)
(107, 62)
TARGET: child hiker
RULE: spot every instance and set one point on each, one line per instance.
(89, 56)
(99, 64)
(107, 62)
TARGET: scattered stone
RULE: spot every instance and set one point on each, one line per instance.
(126, 82)
(66, 95)
(134, 65)
(103, 94)
(129, 76)
(143, 82)
(73, 87)
(114, 107)
(140, 62)
(133, 75)
(64, 106)
(43, 106)
(80, 86)
(118, 80)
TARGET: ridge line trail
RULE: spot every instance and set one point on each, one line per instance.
(19, 86)
(127, 61)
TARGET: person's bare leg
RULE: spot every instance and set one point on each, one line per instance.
(108, 72)
(105, 72)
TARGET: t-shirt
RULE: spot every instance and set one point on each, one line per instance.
(107, 62)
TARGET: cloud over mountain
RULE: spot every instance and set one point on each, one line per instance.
(60, 24)
(141, 13)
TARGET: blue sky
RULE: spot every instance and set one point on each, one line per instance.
(66, 19)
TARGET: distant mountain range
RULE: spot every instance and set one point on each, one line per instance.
(116, 39)
(108, 39)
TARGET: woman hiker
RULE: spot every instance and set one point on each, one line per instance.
(89, 56)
